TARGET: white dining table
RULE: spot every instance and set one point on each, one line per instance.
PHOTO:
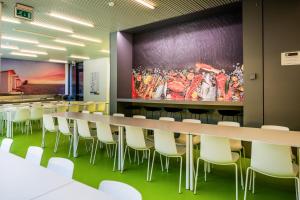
(290, 138)
(22, 180)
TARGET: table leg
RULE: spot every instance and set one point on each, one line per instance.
(191, 155)
(120, 149)
(75, 139)
(43, 136)
(187, 162)
(8, 125)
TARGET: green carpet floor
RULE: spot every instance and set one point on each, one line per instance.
(164, 186)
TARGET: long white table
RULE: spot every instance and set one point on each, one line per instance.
(21, 180)
(291, 138)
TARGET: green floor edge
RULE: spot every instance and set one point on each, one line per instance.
(164, 186)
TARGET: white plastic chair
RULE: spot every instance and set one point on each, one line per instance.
(275, 127)
(85, 133)
(6, 145)
(22, 117)
(135, 139)
(36, 115)
(63, 128)
(61, 166)
(119, 190)
(48, 126)
(105, 136)
(274, 161)
(182, 137)
(216, 150)
(115, 129)
(86, 112)
(34, 155)
(118, 115)
(164, 144)
(98, 113)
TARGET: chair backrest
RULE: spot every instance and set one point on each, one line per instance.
(233, 124)
(91, 107)
(34, 155)
(63, 125)
(48, 123)
(139, 116)
(101, 106)
(98, 113)
(61, 166)
(135, 137)
(104, 133)
(83, 128)
(274, 127)
(215, 149)
(61, 108)
(167, 119)
(21, 115)
(74, 108)
(36, 112)
(118, 115)
(119, 190)
(6, 145)
(86, 112)
(196, 121)
(272, 159)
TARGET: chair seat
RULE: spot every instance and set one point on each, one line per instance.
(182, 140)
(235, 158)
(236, 145)
(295, 172)
(149, 145)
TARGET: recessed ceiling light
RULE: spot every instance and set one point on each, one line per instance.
(104, 51)
(58, 61)
(33, 52)
(19, 39)
(33, 33)
(80, 57)
(111, 4)
(53, 27)
(69, 42)
(23, 54)
(71, 19)
(3, 46)
(86, 38)
(52, 47)
(145, 3)
(10, 20)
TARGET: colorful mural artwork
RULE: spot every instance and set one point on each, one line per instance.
(202, 82)
(29, 77)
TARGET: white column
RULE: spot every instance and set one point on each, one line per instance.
(187, 162)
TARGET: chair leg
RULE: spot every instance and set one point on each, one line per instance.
(246, 183)
(126, 148)
(241, 171)
(70, 147)
(250, 180)
(92, 150)
(253, 182)
(95, 153)
(196, 176)
(180, 174)
(56, 142)
(236, 182)
(149, 157)
(129, 156)
(114, 167)
(205, 168)
(161, 163)
(150, 178)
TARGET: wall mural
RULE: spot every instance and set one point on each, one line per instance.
(30, 77)
(199, 60)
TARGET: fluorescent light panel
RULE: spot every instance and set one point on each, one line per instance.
(71, 19)
(23, 54)
(53, 27)
(145, 3)
(52, 47)
(58, 61)
(69, 42)
(19, 39)
(33, 52)
(79, 57)
(33, 33)
(81, 37)
(3, 46)
(10, 20)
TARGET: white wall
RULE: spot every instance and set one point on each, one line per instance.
(102, 66)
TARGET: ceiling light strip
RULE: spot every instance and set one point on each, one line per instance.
(145, 3)
(3, 46)
(71, 19)
(58, 61)
(23, 54)
(81, 37)
(80, 57)
(33, 52)
(69, 42)
(52, 27)
(19, 39)
(10, 20)
(52, 47)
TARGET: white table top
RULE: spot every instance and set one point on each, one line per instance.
(75, 191)
(289, 138)
(21, 180)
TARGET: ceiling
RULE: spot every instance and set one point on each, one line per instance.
(124, 14)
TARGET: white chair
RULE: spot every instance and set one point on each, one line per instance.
(61, 166)
(98, 113)
(115, 129)
(34, 155)
(64, 128)
(118, 115)
(36, 115)
(6, 145)
(216, 150)
(135, 139)
(48, 126)
(84, 132)
(182, 137)
(274, 161)
(22, 118)
(119, 190)
(164, 144)
(105, 136)
(86, 112)
(275, 127)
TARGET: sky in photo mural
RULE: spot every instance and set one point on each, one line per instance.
(35, 77)
(199, 60)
